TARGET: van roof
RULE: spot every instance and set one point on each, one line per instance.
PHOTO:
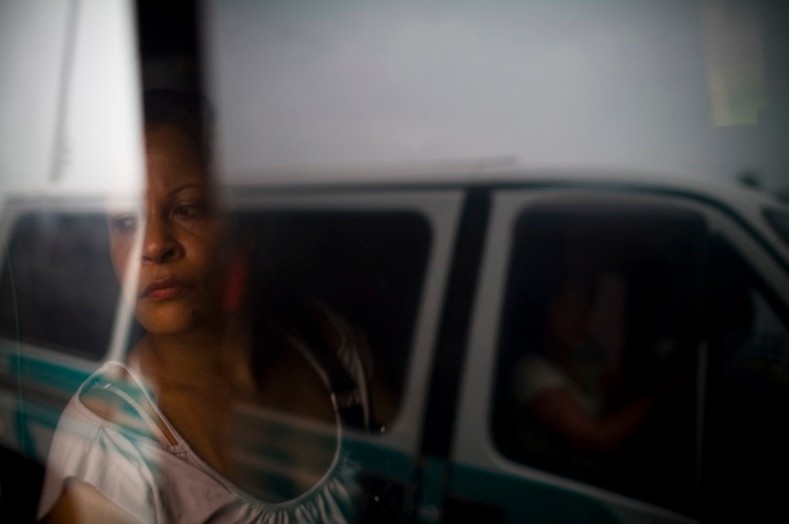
(505, 172)
(737, 200)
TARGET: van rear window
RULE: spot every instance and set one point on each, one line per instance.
(57, 286)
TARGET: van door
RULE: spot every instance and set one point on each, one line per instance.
(596, 295)
(378, 259)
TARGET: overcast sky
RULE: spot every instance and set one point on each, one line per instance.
(568, 83)
(69, 112)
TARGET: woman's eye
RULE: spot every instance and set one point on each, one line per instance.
(188, 210)
(124, 224)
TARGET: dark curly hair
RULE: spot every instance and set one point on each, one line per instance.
(187, 112)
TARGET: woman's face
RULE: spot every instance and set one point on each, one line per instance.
(181, 273)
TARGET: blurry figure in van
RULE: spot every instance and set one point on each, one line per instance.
(568, 384)
(227, 409)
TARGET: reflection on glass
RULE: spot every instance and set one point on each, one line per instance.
(227, 406)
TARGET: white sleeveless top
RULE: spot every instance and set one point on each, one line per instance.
(535, 374)
(155, 481)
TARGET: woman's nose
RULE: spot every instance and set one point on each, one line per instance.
(159, 244)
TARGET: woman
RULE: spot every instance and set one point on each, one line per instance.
(161, 438)
(566, 386)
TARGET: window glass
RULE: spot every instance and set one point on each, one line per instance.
(366, 267)
(598, 348)
(57, 287)
(780, 222)
(746, 430)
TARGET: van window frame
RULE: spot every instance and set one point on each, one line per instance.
(440, 207)
(474, 446)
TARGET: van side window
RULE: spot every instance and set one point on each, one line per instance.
(57, 287)
(746, 432)
(366, 266)
(599, 348)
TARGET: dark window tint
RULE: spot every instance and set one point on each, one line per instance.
(57, 288)
(366, 266)
(747, 432)
(599, 347)
(780, 222)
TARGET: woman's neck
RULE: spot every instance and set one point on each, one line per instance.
(206, 357)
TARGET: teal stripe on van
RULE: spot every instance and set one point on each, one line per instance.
(33, 423)
(526, 500)
(40, 390)
(40, 371)
(377, 459)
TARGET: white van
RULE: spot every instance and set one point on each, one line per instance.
(450, 278)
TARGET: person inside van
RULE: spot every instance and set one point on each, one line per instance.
(226, 409)
(567, 384)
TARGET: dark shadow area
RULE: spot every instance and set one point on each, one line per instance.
(745, 454)
(368, 267)
(637, 271)
(20, 485)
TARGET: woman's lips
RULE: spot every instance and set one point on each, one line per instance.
(166, 288)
